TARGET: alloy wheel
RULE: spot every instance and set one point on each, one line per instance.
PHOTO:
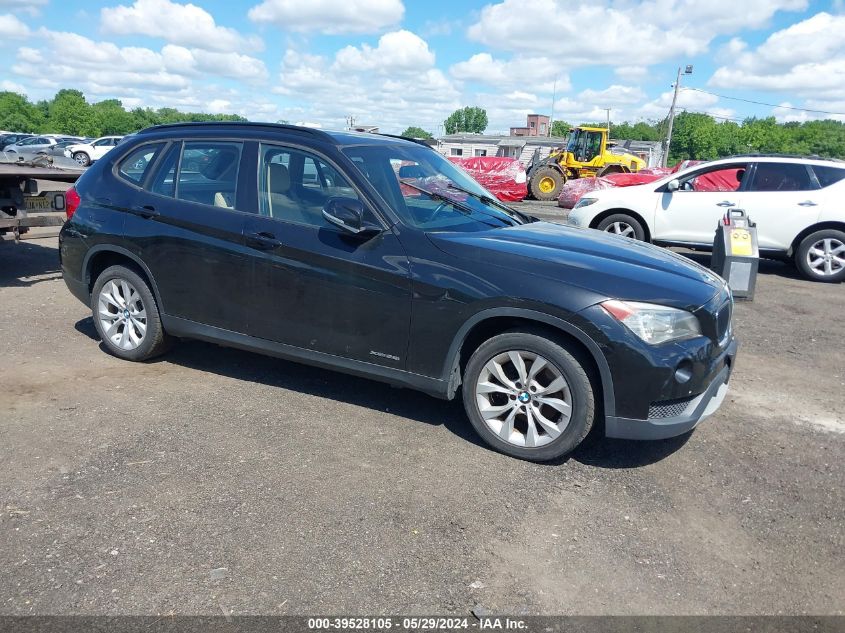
(621, 228)
(826, 257)
(523, 398)
(122, 315)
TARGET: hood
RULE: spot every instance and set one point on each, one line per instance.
(605, 264)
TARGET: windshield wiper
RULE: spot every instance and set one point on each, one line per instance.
(465, 209)
(512, 213)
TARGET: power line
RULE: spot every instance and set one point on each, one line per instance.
(772, 105)
(715, 116)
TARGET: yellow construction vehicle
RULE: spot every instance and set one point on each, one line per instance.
(587, 153)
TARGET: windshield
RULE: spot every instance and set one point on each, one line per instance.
(427, 191)
(572, 141)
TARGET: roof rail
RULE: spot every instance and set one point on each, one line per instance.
(418, 141)
(252, 124)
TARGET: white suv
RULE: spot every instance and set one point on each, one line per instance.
(87, 153)
(798, 205)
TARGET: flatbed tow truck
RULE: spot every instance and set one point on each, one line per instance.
(27, 199)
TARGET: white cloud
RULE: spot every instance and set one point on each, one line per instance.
(185, 24)
(11, 86)
(533, 73)
(12, 28)
(688, 100)
(107, 68)
(631, 73)
(329, 16)
(605, 32)
(32, 7)
(613, 95)
(396, 51)
(328, 90)
(806, 59)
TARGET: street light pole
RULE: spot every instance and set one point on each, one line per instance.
(687, 71)
(552, 117)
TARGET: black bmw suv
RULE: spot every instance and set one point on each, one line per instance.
(376, 256)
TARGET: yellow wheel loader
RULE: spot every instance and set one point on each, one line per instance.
(587, 153)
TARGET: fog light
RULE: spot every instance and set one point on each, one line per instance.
(684, 372)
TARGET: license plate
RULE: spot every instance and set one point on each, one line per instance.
(38, 203)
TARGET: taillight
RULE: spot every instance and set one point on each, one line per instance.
(72, 201)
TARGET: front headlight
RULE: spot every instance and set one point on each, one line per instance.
(584, 202)
(654, 323)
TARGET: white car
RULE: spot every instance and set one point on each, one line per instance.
(30, 145)
(797, 204)
(87, 153)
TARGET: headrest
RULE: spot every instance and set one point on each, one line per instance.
(278, 178)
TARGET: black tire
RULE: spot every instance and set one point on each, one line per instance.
(155, 341)
(612, 169)
(803, 256)
(583, 408)
(546, 175)
(82, 158)
(621, 221)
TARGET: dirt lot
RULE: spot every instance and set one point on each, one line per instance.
(216, 480)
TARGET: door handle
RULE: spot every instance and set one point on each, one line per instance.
(807, 203)
(146, 211)
(262, 240)
(725, 203)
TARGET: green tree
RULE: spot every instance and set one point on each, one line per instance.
(112, 118)
(560, 128)
(470, 119)
(416, 132)
(17, 114)
(71, 114)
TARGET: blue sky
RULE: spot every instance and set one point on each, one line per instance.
(395, 63)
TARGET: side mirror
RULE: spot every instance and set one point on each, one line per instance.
(348, 214)
(673, 185)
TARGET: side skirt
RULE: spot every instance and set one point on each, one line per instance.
(185, 328)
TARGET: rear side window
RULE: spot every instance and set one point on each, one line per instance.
(208, 173)
(134, 167)
(205, 172)
(781, 177)
(829, 175)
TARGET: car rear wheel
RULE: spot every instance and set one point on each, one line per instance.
(126, 315)
(82, 158)
(527, 396)
(623, 224)
(821, 256)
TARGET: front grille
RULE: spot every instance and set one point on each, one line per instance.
(668, 408)
(723, 322)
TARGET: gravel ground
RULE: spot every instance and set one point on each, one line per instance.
(217, 480)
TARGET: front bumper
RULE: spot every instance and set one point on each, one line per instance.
(696, 410)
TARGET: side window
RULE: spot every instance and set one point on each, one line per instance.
(781, 177)
(100, 143)
(829, 175)
(722, 179)
(294, 186)
(134, 166)
(164, 181)
(208, 173)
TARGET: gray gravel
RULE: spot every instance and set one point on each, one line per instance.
(215, 479)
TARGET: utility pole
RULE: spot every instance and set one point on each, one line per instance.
(552, 117)
(687, 71)
(608, 121)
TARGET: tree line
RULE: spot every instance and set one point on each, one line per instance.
(695, 136)
(68, 112)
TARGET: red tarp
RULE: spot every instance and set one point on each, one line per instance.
(503, 177)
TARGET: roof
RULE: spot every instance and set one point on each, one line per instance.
(776, 158)
(334, 137)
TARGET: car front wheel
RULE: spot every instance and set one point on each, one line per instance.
(82, 158)
(126, 315)
(624, 225)
(527, 396)
(821, 256)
